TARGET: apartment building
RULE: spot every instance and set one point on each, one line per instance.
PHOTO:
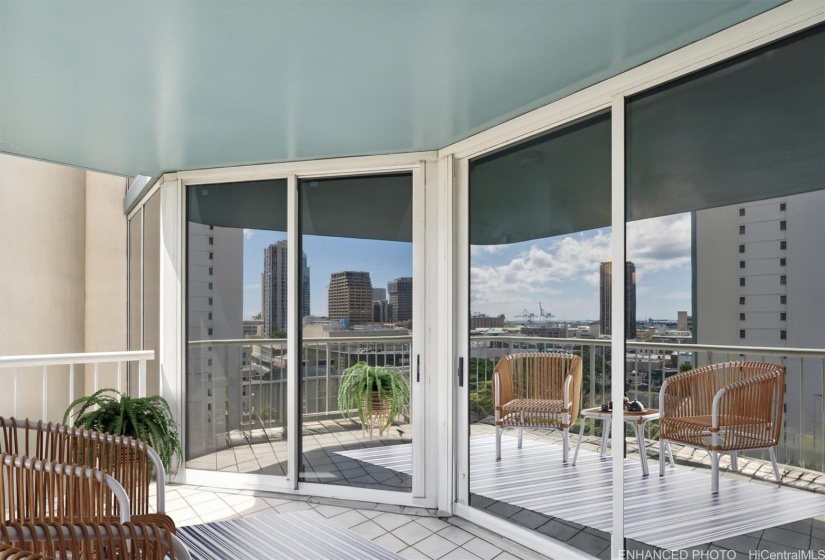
(350, 297)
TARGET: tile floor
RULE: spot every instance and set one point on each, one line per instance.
(413, 533)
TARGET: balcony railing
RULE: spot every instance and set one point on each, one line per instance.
(647, 363)
(240, 385)
(43, 386)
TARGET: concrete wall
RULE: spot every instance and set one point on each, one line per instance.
(717, 274)
(62, 285)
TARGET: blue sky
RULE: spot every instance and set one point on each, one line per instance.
(384, 260)
(561, 272)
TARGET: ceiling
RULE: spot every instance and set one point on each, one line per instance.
(148, 87)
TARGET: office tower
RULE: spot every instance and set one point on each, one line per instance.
(379, 294)
(274, 287)
(350, 297)
(380, 311)
(400, 291)
(606, 300)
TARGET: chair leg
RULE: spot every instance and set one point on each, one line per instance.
(578, 444)
(670, 454)
(776, 474)
(661, 457)
(498, 443)
(714, 472)
(565, 445)
(521, 430)
(734, 463)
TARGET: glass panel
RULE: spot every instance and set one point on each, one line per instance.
(135, 302)
(726, 194)
(356, 237)
(540, 238)
(236, 380)
(151, 290)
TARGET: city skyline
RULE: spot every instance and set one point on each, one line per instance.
(563, 272)
(385, 261)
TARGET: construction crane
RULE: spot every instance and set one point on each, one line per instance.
(526, 315)
(544, 315)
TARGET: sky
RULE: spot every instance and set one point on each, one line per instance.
(561, 273)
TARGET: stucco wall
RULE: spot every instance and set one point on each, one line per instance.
(62, 274)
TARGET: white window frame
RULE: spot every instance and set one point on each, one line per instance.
(773, 25)
(424, 169)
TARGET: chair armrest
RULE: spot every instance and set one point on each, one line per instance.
(740, 391)
(568, 398)
(497, 395)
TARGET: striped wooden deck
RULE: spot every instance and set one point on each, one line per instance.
(674, 512)
(286, 536)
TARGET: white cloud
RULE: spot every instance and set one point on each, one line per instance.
(248, 233)
(659, 243)
(565, 259)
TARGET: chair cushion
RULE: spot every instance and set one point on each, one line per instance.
(536, 412)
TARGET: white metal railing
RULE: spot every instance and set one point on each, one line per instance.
(244, 381)
(49, 362)
(646, 365)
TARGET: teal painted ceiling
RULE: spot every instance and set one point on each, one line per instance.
(147, 87)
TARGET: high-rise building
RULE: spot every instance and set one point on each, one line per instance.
(380, 311)
(401, 295)
(274, 287)
(606, 300)
(214, 311)
(379, 294)
(759, 274)
(350, 297)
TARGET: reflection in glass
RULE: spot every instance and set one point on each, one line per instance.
(356, 236)
(236, 408)
(726, 206)
(540, 252)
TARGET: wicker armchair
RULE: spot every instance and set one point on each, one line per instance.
(68, 509)
(129, 461)
(123, 541)
(537, 390)
(724, 407)
(9, 552)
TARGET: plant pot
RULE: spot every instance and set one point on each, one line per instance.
(376, 412)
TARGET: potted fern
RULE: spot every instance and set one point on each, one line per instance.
(147, 419)
(376, 393)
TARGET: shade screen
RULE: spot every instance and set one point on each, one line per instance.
(555, 184)
(743, 130)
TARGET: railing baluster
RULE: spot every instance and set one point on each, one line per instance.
(45, 392)
(71, 383)
(141, 378)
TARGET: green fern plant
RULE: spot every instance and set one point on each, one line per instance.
(360, 380)
(148, 419)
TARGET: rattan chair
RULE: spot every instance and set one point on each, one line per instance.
(537, 390)
(69, 509)
(9, 552)
(131, 462)
(724, 408)
(121, 541)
